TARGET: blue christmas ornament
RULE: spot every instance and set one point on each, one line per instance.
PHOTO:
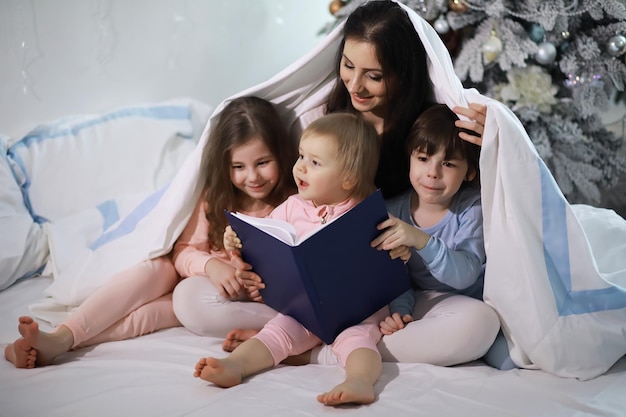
(536, 32)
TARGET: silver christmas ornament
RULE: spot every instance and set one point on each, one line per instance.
(616, 45)
(546, 53)
(441, 25)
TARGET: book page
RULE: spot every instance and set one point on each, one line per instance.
(280, 229)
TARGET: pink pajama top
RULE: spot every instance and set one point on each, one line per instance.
(306, 216)
(192, 251)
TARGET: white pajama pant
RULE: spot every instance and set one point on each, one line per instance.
(449, 329)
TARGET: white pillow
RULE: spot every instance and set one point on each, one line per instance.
(23, 246)
(80, 174)
(77, 163)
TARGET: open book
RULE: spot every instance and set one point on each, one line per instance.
(330, 279)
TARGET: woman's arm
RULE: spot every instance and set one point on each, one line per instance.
(477, 113)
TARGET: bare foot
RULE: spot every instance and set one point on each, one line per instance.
(48, 345)
(21, 354)
(236, 337)
(355, 391)
(221, 372)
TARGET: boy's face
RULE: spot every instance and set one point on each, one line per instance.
(318, 172)
(436, 179)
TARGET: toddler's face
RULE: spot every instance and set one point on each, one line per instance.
(318, 172)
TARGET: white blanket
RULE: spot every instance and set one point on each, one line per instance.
(557, 296)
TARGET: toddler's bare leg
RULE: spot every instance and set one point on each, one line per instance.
(249, 358)
(363, 368)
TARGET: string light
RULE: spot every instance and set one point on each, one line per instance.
(534, 16)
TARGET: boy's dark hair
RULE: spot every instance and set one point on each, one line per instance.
(434, 130)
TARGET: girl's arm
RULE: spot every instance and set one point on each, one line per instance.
(192, 255)
(192, 251)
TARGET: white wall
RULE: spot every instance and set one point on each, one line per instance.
(64, 57)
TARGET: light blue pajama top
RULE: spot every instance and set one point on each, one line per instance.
(453, 260)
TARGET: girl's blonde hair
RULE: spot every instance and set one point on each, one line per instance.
(358, 147)
(243, 119)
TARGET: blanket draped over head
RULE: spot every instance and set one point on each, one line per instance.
(556, 273)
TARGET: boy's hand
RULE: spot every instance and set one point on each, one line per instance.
(393, 323)
(403, 252)
(397, 233)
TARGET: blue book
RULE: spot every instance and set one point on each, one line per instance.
(329, 280)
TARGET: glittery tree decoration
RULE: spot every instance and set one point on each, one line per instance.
(556, 63)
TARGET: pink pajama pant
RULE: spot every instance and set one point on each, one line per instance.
(132, 303)
(284, 336)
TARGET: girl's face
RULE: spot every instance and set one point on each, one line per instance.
(318, 172)
(435, 179)
(254, 169)
(362, 75)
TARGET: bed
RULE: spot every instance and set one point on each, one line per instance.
(54, 254)
(152, 376)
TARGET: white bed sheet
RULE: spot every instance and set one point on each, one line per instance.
(152, 376)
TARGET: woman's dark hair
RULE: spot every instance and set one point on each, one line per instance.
(434, 130)
(402, 57)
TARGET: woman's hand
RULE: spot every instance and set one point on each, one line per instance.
(393, 323)
(477, 113)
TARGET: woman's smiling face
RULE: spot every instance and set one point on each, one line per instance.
(363, 77)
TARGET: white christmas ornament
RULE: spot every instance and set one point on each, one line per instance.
(441, 25)
(546, 53)
(616, 45)
(492, 48)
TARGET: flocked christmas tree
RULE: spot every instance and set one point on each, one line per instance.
(555, 63)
